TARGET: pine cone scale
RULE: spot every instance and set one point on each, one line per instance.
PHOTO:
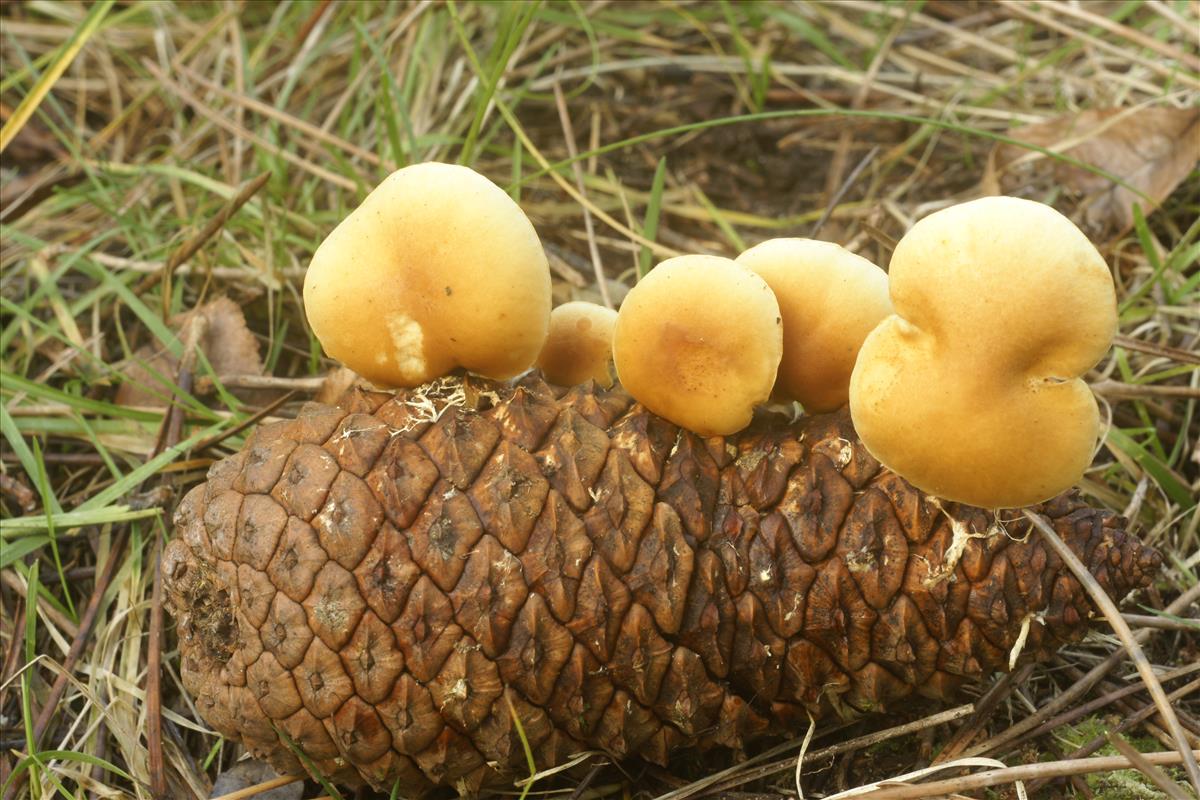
(382, 582)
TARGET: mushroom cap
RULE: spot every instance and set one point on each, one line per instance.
(437, 269)
(971, 390)
(830, 299)
(698, 341)
(579, 345)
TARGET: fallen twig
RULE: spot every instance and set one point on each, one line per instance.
(743, 773)
(995, 777)
(1067, 717)
(259, 788)
(1163, 351)
(170, 435)
(9, 578)
(158, 777)
(189, 248)
(205, 384)
(841, 192)
(564, 117)
(1162, 623)
(983, 712)
(1118, 390)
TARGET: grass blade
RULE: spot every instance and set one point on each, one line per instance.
(653, 210)
(68, 520)
(8, 427)
(48, 502)
(31, 101)
(1175, 488)
(135, 477)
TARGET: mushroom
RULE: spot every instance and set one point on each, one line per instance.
(698, 342)
(579, 345)
(971, 390)
(830, 299)
(437, 269)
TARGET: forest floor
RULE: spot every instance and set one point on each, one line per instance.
(161, 156)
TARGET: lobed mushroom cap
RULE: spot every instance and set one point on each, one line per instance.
(437, 269)
(830, 299)
(698, 341)
(579, 345)
(971, 390)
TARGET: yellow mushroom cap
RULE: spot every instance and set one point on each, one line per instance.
(830, 299)
(437, 269)
(971, 390)
(698, 342)
(579, 345)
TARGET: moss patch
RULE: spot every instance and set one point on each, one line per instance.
(1124, 784)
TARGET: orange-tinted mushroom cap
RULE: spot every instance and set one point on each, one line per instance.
(579, 345)
(830, 300)
(698, 341)
(437, 269)
(972, 389)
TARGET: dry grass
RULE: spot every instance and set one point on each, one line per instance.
(697, 127)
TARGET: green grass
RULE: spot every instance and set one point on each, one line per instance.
(700, 127)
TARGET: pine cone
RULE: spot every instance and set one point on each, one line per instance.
(383, 586)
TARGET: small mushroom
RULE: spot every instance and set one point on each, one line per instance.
(579, 345)
(971, 390)
(698, 341)
(830, 300)
(437, 269)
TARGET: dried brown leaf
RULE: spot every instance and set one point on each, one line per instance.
(226, 342)
(1151, 149)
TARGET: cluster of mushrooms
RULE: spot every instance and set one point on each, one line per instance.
(962, 365)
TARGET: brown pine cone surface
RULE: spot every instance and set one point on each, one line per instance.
(383, 586)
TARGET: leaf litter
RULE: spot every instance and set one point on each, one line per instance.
(1152, 149)
(224, 339)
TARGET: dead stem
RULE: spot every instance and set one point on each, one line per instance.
(1116, 390)
(259, 788)
(744, 773)
(983, 712)
(997, 777)
(564, 117)
(197, 240)
(1162, 623)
